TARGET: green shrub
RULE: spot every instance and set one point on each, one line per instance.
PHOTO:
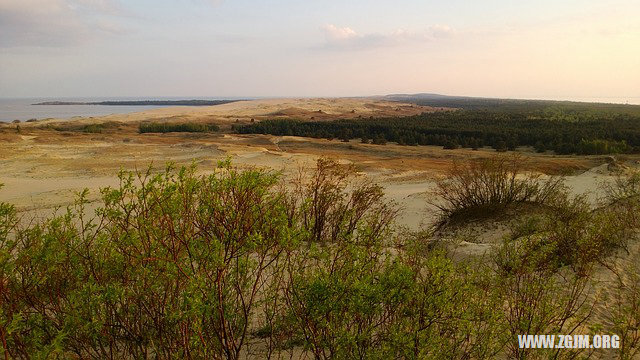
(172, 268)
(333, 204)
(239, 264)
(174, 264)
(164, 127)
(539, 301)
(94, 128)
(570, 233)
(624, 188)
(600, 146)
(358, 302)
(89, 128)
(622, 313)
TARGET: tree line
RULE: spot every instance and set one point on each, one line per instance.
(165, 127)
(580, 132)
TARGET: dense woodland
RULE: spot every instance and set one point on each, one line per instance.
(562, 127)
(520, 105)
(164, 127)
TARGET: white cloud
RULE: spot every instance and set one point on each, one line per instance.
(334, 33)
(346, 38)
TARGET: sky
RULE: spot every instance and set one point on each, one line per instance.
(560, 49)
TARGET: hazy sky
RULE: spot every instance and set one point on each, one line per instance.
(564, 49)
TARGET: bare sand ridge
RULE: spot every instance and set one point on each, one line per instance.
(46, 162)
(315, 109)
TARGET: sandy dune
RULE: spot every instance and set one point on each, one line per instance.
(42, 167)
(310, 109)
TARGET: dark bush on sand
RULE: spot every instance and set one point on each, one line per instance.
(482, 187)
(156, 127)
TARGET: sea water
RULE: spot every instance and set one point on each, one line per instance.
(23, 109)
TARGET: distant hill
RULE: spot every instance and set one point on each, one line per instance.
(143, 103)
(519, 105)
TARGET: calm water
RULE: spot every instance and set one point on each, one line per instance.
(21, 109)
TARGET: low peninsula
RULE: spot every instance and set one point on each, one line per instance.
(142, 102)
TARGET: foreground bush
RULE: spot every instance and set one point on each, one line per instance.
(239, 264)
(485, 186)
(358, 302)
(333, 204)
(540, 300)
(623, 190)
(572, 234)
(623, 310)
(165, 127)
(172, 267)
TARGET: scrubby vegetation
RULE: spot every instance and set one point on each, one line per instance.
(165, 127)
(241, 264)
(587, 129)
(560, 230)
(488, 185)
(624, 305)
(571, 234)
(96, 128)
(624, 189)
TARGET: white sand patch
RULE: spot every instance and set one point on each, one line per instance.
(412, 198)
(279, 139)
(30, 193)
